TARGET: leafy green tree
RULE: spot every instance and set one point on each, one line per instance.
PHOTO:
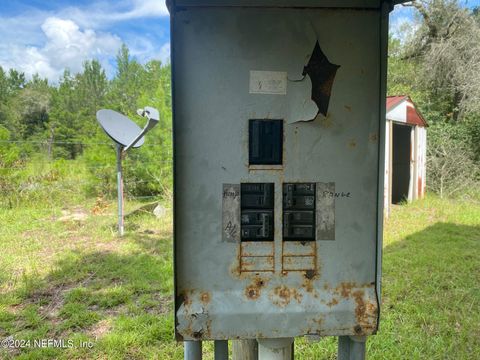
(438, 65)
(3, 85)
(64, 121)
(446, 48)
(3, 96)
(151, 164)
(16, 80)
(127, 84)
(92, 86)
(33, 105)
(11, 84)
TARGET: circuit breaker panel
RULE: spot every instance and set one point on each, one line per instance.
(277, 130)
(299, 211)
(257, 211)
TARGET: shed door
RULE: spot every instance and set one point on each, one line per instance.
(402, 147)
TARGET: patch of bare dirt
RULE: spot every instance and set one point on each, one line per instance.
(51, 299)
(77, 214)
(116, 310)
(160, 306)
(100, 329)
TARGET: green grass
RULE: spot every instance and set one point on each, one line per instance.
(76, 280)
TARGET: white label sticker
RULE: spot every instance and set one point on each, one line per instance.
(268, 82)
(231, 212)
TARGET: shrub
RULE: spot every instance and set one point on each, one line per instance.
(451, 168)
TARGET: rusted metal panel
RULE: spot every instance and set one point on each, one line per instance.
(403, 109)
(414, 117)
(257, 263)
(411, 182)
(393, 101)
(226, 288)
(299, 248)
(347, 309)
(299, 256)
(299, 263)
(421, 160)
(257, 248)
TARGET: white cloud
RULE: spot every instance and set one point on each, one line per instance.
(66, 46)
(143, 8)
(46, 42)
(28, 60)
(144, 50)
(403, 23)
(103, 14)
(164, 54)
(402, 28)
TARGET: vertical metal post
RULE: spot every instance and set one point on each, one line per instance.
(245, 349)
(221, 349)
(192, 350)
(120, 189)
(351, 347)
(275, 349)
(386, 7)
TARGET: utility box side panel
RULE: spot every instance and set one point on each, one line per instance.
(275, 237)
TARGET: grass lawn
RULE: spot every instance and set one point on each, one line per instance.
(65, 276)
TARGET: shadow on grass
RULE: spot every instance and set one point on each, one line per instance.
(431, 295)
(120, 299)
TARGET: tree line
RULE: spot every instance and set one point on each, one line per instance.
(57, 121)
(436, 62)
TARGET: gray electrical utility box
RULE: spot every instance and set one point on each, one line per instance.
(279, 112)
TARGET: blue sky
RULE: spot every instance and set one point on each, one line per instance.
(39, 36)
(44, 37)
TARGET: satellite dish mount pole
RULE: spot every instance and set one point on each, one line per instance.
(122, 130)
(120, 189)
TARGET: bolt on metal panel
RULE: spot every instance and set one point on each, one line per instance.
(317, 70)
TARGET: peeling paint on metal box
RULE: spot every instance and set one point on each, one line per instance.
(232, 289)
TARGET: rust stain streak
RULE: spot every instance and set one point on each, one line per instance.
(293, 252)
(332, 302)
(253, 291)
(205, 298)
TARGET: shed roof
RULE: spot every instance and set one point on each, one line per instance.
(394, 100)
(408, 113)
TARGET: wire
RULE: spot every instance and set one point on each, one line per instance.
(72, 166)
(46, 142)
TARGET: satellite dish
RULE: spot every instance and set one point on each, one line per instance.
(126, 135)
(153, 118)
(119, 128)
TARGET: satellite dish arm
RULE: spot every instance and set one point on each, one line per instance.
(153, 118)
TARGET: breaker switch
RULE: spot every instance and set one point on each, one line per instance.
(299, 211)
(265, 142)
(257, 201)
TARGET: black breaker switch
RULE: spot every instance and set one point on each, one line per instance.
(265, 142)
(257, 211)
(299, 211)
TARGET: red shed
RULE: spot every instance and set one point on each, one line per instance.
(405, 152)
